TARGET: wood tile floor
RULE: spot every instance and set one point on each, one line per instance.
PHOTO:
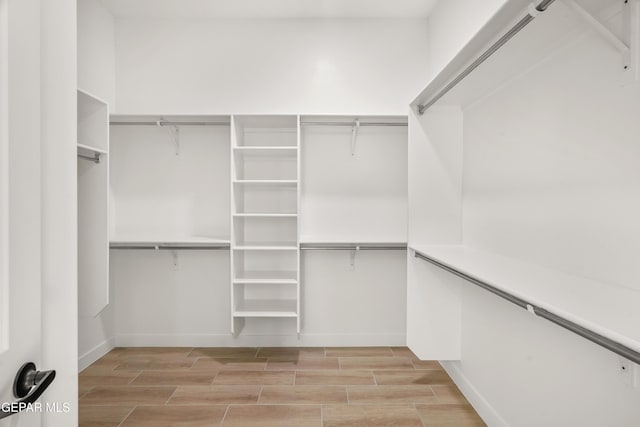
(299, 387)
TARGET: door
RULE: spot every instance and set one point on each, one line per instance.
(29, 305)
(20, 197)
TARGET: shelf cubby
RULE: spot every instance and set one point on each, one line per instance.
(93, 204)
(266, 131)
(266, 308)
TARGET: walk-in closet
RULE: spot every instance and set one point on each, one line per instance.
(358, 213)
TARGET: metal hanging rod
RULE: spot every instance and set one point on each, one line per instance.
(172, 247)
(167, 123)
(592, 336)
(95, 158)
(532, 13)
(351, 124)
(352, 247)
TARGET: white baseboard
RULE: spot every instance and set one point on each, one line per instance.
(487, 412)
(95, 353)
(246, 340)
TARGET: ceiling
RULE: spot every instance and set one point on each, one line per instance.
(270, 9)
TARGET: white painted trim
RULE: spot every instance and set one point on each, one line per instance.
(487, 412)
(95, 353)
(4, 180)
(247, 340)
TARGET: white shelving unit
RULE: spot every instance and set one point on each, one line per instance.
(551, 290)
(93, 204)
(265, 194)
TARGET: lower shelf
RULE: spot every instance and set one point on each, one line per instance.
(605, 314)
(265, 277)
(266, 308)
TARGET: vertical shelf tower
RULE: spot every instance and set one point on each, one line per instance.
(93, 204)
(265, 204)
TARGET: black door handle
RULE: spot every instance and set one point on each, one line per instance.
(27, 387)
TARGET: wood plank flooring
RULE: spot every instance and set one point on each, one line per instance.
(279, 387)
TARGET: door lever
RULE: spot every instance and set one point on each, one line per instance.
(28, 386)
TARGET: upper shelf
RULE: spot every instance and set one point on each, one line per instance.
(546, 35)
(266, 151)
(168, 242)
(266, 181)
(92, 149)
(316, 121)
(344, 245)
(169, 120)
(93, 123)
(610, 311)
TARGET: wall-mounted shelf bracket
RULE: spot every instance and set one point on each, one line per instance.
(352, 256)
(354, 136)
(627, 44)
(631, 37)
(176, 265)
(174, 132)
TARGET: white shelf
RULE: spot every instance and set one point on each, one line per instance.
(266, 246)
(89, 97)
(266, 181)
(92, 149)
(380, 246)
(582, 301)
(267, 150)
(266, 277)
(266, 308)
(265, 215)
(343, 241)
(154, 119)
(168, 241)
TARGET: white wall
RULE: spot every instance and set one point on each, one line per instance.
(451, 24)
(269, 66)
(96, 75)
(549, 178)
(435, 216)
(239, 66)
(96, 50)
(354, 198)
(159, 303)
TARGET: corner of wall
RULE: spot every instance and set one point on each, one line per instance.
(96, 50)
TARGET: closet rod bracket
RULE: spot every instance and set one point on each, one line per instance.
(95, 158)
(631, 38)
(352, 256)
(176, 265)
(622, 44)
(354, 136)
(174, 133)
